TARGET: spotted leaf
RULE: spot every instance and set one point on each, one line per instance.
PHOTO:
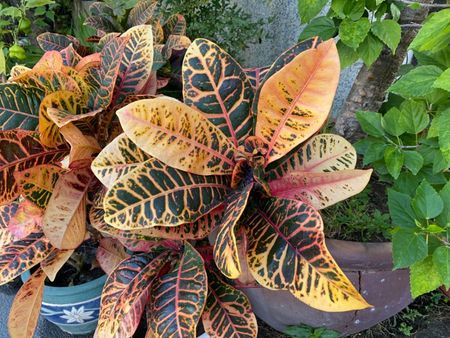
(286, 250)
(228, 313)
(54, 41)
(143, 13)
(50, 80)
(295, 102)
(25, 309)
(65, 216)
(117, 159)
(178, 297)
(320, 190)
(20, 150)
(125, 294)
(19, 106)
(60, 100)
(110, 253)
(6, 213)
(26, 220)
(111, 58)
(226, 254)
(194, 230)
(177, 135)
(215, 84)
(70, 56)
(136, 64)
(22, 255)
(256, 75)
(175, 25)
(51, 60)
(322, 153)
(156, 194)
(54, 262)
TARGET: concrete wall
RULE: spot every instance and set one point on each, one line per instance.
(283, 32)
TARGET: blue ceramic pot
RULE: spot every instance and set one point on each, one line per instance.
(74, 309)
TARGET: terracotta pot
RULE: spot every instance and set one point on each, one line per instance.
(368, 266)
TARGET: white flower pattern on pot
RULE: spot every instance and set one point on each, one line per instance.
(77, 315)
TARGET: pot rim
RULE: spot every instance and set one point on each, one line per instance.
(62, 290)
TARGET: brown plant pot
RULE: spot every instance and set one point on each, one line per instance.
(368, 266)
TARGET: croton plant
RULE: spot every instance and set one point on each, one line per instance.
(54, 119)
(239, 161)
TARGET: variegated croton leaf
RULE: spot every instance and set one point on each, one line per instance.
(226, 254)
(178, 297)
(20, 150)
(175, 25)
(143, 13)
(64, 221)
(70, 56)
(22, 255)
(178, 135)
(54, 262)
(287, 251)
(7, 212)
(228, 313)
(26, 220)
(19, 106)
(125, 294)
(25, 309)
(215, 84)
(110, 253)
(155, 194)
(321, 172)
(199, 229)
(136, 64)
(57, 42)
(295, 102)
(111, 58)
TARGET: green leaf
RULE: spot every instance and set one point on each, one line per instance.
(435, 33)
(322, 26)
(414, 117)
(12, 12)
(424, 277)
(38, 3)
(370, 123)
(414, 6)
(394, 159)
(444, 133)
(413, 161)
(408, 247)
(352, 33)
(444, 217)
(395, 12)
(308, 9)
(443, 81)
(407, 183)
(427, 203)
(370, 49)
(338, 7)
(400, 209)
(441, 260)
(417, 83)
(389, 32)
(355, 9)
(2, 62)
(391, 122)
(347, 55)
(375, 152)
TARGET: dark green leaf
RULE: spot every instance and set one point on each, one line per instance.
(389, 32)
(322, 26)
(370, 123)
(352, 33)
(375, 152)
(347, 55)
(408, 247)
(370, 49)
(424, 277)
(444, 133)
(308, 9)
(394, 159)
(391, 122)
(427, 203)
(413, 161)
(417, 83)
(444, 217)
(407, 183)
(400, 209)
(414, 117)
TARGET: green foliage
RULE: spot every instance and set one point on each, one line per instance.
(408, 145)
(305, 331)
(363, 27)
(17, 24)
